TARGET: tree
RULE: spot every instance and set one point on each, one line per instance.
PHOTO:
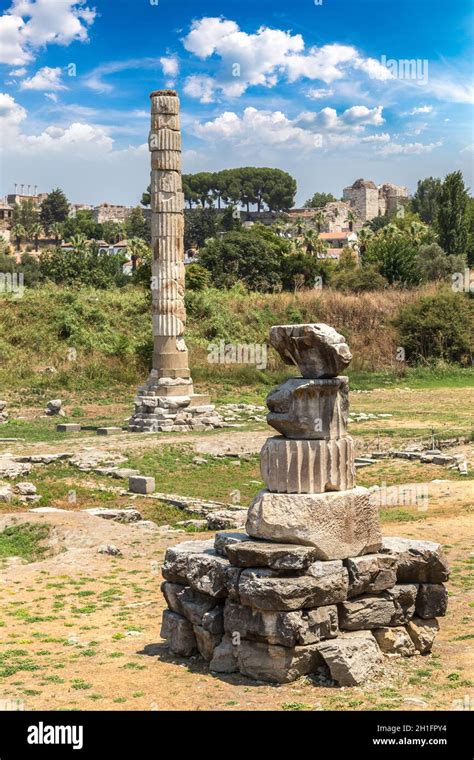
(313, 244)
(18, 232)
(351, 219)
(82, 224)
(452, 214)
(319, 218)
(54, 208)
(199, 225)
(378, 222)
(435, 265)
(35, 231)
(425, 201)
(250, 256)
(56, 229)
(84, 266)
(358, 279)
(138, 250)
(394, 254)
(26, 214)
(197, 277)
(438, 327)
(300, 270)
(319, 200)
(137, 226)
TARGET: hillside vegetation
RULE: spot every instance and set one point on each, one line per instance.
(97, 338)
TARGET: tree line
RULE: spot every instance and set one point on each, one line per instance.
(265, 188)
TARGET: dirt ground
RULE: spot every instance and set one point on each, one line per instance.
(81, 630)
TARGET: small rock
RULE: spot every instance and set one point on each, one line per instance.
(114, 551)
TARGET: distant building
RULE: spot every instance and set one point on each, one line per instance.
(337, 241)
(107, 212)
(370, 201)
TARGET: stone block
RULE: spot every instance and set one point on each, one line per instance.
(68, 427)
(351, 658)
(422, 633)
(310, 409)
(394, 640)
(224, 659)
(266, 662)
(417, 561)
(279, 557)
(197, 564)
(206, 642)
(318, 350)
(307, 466)
(194, 604)
(393, 607)
(371, 573)
(109, 430)
(431, 600)
(339, 524)
(225, 538)
(179, 633)
(287, 629)
(141, 484)
(262, 589)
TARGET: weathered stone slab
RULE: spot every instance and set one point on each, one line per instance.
(260, 588)
(206, 642)
(422, 633)
(351, 658)
(393, 607)
(307, 466)
(224, 658)
(68, 427)
(371, 573)
(109, 430)
(266, 662)
(318, 350)
(339, 525)
(226, 538)
(276, 556)
(431, 600)
(179, 633)
(196, 563)
(417, 561)
(310, 409)
(170, 591)
(194, 604)
(287, 629)
(213, 620)
(394, 640)
(141, 484)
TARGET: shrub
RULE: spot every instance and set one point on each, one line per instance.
(197, 277)
(440, 326)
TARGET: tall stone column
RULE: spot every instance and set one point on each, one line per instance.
(168, 400)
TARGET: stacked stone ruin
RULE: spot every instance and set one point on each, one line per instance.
(311, 586)
(3, 412)
(167, 401)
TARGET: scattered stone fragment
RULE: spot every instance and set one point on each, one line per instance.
(109, 430)
(10, 468)
(68, 427)
(351, 658)
(423, 633)
(431, 600)
(128, 515)
(114, 551)
(226, 518)
(395, 640)
(54, 407)
(417, 561)
(141, 484)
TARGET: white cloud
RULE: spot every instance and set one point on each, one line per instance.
(361, 115)
(201, 87)
(51, 96)
(315, 93)
(395, 149)
(355, 118)
(11, 113)
(381, 138)
(18, 72)
(170, 68)
(420, 109)
(28, 25)
(45, 79)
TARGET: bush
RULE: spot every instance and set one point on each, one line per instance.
(359, 279)
(83, 267)
(396, 259)
(197, 277)
(438, 327)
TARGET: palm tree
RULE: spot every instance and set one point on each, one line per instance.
(34, 232)
(137, 248)
(313, 243)
(351, 218)
(319, 218)
(299, 225)
(364, 237)
(18, 232)
(78, 242)
(57, 230)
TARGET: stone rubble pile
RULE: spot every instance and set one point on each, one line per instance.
(311, 585)
(54, 408)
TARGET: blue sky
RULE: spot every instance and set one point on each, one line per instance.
(316, 88)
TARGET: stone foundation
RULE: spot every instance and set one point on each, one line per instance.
(273, 612)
